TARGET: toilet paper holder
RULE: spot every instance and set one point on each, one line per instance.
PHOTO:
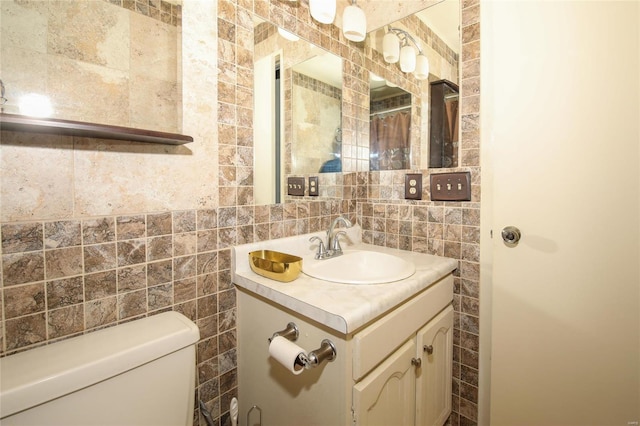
(326, 352)
(290, 333)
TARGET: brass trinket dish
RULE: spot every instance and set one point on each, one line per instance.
(275, 265)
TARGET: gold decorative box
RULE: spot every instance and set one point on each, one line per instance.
(275, 265)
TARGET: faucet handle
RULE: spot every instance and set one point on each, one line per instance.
(336, 242)
(322, 251)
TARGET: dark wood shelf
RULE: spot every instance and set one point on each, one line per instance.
(24, 123)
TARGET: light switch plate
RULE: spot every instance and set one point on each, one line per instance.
(295, 186)
(451, 186)
(413, 186)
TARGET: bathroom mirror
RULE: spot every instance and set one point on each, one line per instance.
(297, 110)
(95, 62)
(399, 116)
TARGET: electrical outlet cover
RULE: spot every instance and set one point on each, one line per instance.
(413, 186)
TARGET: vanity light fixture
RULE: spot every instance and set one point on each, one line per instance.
(354, 23)
(396, 46)
(323, 11)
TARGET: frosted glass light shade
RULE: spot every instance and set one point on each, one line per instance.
(323, 11)
(407, 59)
(391, 47)
(286, 34)
(422, 67)
(354, 23)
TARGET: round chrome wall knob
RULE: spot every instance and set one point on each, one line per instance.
(511, 236)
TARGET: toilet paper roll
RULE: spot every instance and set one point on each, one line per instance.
(286, 353)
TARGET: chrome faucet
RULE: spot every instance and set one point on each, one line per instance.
(333, 242)
(332, 247)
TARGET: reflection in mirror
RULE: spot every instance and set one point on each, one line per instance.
(93, 61)
(443, 140)
(316, 111)
(297, 111)
(390, 127)
(436, 30)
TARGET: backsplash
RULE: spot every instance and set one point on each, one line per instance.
(95, 233)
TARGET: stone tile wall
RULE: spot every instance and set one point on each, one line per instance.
(169, 12)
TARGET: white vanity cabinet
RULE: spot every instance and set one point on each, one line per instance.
(412, 385)
(434, 342)
(382, 375)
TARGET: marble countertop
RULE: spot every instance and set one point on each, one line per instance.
(342, 307)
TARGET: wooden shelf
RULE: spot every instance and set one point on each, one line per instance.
(24, 123)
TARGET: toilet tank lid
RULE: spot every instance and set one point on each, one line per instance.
(39, 375)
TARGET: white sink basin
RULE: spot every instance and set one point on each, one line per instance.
(359, 267)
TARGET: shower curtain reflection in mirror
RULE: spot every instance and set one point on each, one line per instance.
(389, 139)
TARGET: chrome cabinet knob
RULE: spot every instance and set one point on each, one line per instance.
(428, 349)
(417, 362)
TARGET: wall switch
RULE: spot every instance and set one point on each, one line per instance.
(451, 186)
(413, 186)
(314, 191)
(295, 186)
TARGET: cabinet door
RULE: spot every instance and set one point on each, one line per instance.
(386, 396)
(434, 343)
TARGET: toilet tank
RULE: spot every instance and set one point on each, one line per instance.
(137, 373)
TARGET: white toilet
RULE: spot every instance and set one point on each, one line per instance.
(137, 373)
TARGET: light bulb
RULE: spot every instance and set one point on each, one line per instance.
(407, 58)
(35, 105)
(323, 11)
(354, 23)
(422, 67)
(391, 47)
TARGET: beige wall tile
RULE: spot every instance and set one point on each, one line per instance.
(37, 177)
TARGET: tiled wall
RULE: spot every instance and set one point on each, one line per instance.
(74, 58)
(169, 12)
(402, 100)
(70, 273)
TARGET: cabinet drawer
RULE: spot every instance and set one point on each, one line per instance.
(377, 341)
